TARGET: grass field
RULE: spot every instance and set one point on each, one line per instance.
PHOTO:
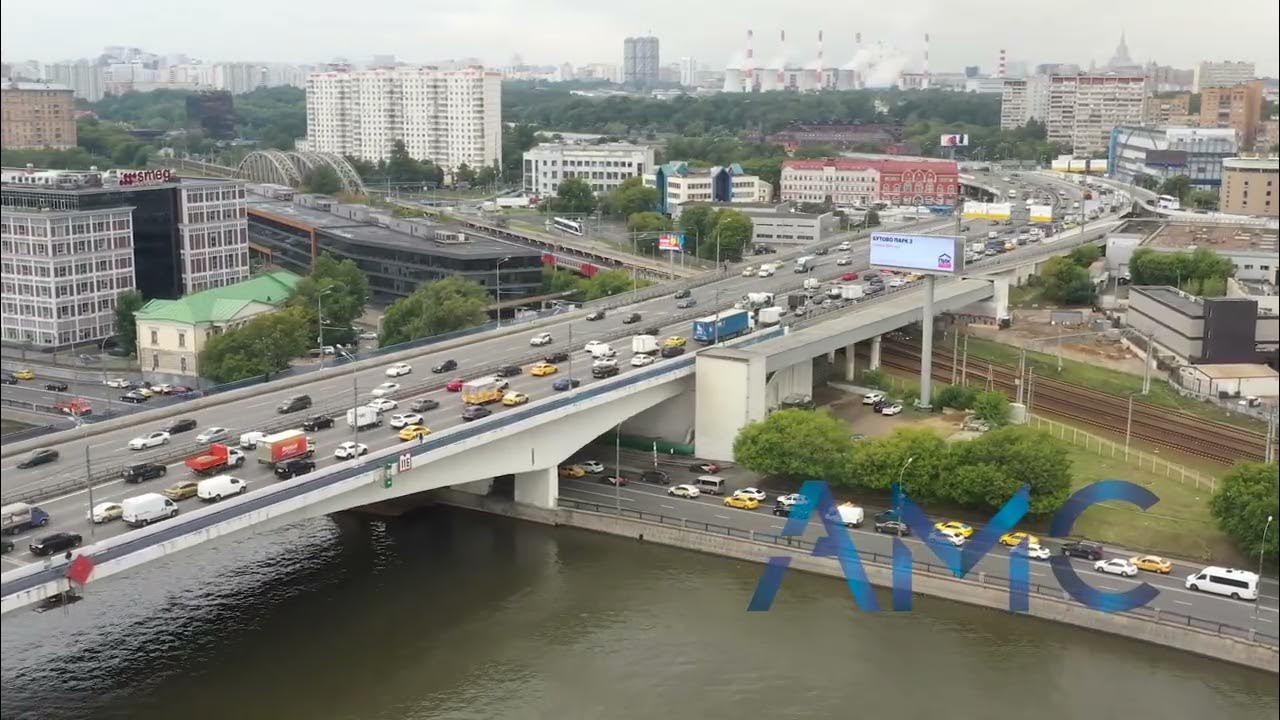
(7, 426)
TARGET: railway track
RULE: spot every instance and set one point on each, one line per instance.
(1156, 425)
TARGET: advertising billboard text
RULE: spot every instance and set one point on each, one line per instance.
(1041, 213)
(986, 211)
(932, 254)
(954, 141)
(671, 241)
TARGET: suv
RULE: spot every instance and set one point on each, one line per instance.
(317, 422)
(475, 412)
(143, 471)
(294, 467)
(631, 319)
(604, 371)
(1082, 549)
(56, 542)
(294, 404)
(656, 477)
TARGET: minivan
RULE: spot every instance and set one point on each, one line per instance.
(216, 488)
(710, 484)
(294, 404)
(1237, 584)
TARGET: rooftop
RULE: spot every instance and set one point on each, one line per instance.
(1221, 371)
(225, 303)
(1252, 163)
(880, 164)
(1189, 305)
(10, 84)
(1219, 238)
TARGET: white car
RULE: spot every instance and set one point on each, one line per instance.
(385, 389)
(897, 282)
(162, 388)
(349, 450)
(502, 383)
(754, 493)
(213, 434)
(748, 271)
(792, 500)
(540, 339)
(400, 420)
(844, 246)
(119, 383)
(106, 512)
(368, 335)
(893, 409)
(592, 466)
(844, 260)
(1034, 551)
(594, 345)
(872, 398)
(605, 362)
(1116, 566)
(399, 369)
(150, 440)
(641, 360)
(381, 404)
(684, 491)
(947, 536)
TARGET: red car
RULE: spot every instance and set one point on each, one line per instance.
(454, 385)
(849, 276)
(709, 468)
(614, 480)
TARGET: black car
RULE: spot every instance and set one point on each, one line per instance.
(294, 404)
(881, 404)
(56, 386)
(445, 366)
(893, 527)
(656, 477)
(475, 412)
(509, 371)
(294, 467)
(6, 546)
(781, 510)
(423, 405)
(631, 319)
(143, 471)
(8, 379)
(651, 331)
(680, 294)
(1082, 549)
(180, 426)
(134, 397)
(556, 357)
(670, 351)
(873, 288)
(822, 251)
(317, 422)
(604, 371)
(39, 457)
(595, 315)
(57, 542)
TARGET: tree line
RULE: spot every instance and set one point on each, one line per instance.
(1200, 272)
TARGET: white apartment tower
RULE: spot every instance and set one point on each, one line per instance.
(449, 117)
(1083, 109)
(1222, 74)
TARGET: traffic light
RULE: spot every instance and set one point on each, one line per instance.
(387, 474)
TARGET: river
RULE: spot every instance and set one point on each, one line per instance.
(449, 614)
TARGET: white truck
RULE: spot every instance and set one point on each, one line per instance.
(804, 264)
(645, 345)
(849, 515)
(766, 270)
(147, 508)
(757, 300)
(522, 201)
(851, 291)
(363, 417)
(977, 247)
(811, 284)
(769, 316)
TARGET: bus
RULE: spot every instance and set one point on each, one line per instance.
(566, 225)
(1238, 584)
(1168, 202)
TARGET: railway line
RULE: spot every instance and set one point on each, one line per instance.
(1159, 426)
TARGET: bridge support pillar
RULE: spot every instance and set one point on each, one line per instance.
(851, 363)
(875, 353)
(538, 488)
(730, 392)
(1000, 297)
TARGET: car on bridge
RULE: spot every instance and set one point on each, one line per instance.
(445, 366)
(510, 371)
(105, 512)
(350, 450)
(385, 389)
(892, 527)
(181, 490)
(684, 491)
(24, 374)
(704, 468)
(616, 480)
(213, 434)
(542, 369)
(424, 404)
(39, 456)
(150, 440)
(55, 543)
(56, 386)
(641, 360)
(566, 383)
(455, 385)
(475, 412)
(675, 341)
(948, 537)
(686, 303)
(295, 467)
(541, 339)
(117, 383)
(381, 405)
(681, 294)
(512, 399)
(657, 477)
(134, 396)
(317, 422)
(140, 472)
(595, 315)
(754, 493)
(571, 471)
(671, 351)
(601, 371)
(595, 467)
(556, 357)
(1086, 549)
(180, 425)
(398, 369)
(400, 420)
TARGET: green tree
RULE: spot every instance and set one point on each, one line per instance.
(345, 290)
(609, 283)
(464, 174)
(991, 407)
(794, 444)
(697, 222)
(436, 307)
(875, 379)
(264, 345)
(629, 198)
(487, 176)
(1178, 186)
(871, 219)
(323, 180)
(1085, 255)
(1009, 457)
(1066, 282)
(1146, 182)
(1246, 496)
(575, 197)
(128, 303)
(730, 237)
(1203, 199)
(956, 397)
(877, 464)
(516, 139)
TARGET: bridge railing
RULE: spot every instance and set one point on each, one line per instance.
(798, 544)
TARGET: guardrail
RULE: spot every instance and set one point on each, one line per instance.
(1165, 617)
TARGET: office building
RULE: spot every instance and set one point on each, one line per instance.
(86, 79)
(678, 184)
(1196, 330)
(1083, 109)
(1162, 111)
(1250, 186)
(1222, 74)
(450, 117)
(37, 115)
(172, 333)
(604, 167)
(1238, 107)
(1162, 153)
(860, 182)
(688, 72)
(640, 61)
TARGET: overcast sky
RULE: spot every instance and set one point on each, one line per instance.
(1176, 32)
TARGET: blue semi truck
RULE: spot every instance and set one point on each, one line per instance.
(721, 326)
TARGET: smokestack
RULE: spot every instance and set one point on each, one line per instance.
(751, 63)
(820, 65)
(926, 59)
(1000, 67)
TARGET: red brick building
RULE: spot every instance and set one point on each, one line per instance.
(863, 181)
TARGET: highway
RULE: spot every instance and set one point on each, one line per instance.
(644, 497)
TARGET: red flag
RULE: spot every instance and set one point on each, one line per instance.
(79, 570)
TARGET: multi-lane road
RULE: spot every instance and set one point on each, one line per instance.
(644, 497)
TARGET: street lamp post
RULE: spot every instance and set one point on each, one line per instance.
(88, 476)
(497, 287)
(901, 494)
(617, 467)
(320, 322)
(1262, 551)
(355, 400)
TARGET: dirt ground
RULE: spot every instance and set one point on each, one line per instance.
(1032, 330)
(849, 407)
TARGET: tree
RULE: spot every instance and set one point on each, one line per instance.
(1146, 182)
(464, 174)
(875, 379)
(323, 180)
(609, 283)
(1009, 457)
(1246, 496)
(629, 198)
(794, 444)
(487, 175)
(128, 303)
(1085, 255)
(697, 222)
(991, 407)
(516, 139)
(731, 235)
(574, 197)
(1178, 186)
(1203, 199)
(264, 345)
(346, 290)
(1193, 271)
(436, 307)
(1066, 282)
(956, 397)
(877, 464)
(871, 219)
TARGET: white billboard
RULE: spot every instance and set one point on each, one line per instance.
(932, 254)
(1041, 213)
(954, 141)
(986, 211)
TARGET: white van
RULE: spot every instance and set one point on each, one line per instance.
(1237, 584)
(216, 488)
(250, 440)
(848, 514)
(147, 508)
(603, 350)
(710, 484)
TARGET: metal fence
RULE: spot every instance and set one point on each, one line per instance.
(800, 545)
(1137, 458)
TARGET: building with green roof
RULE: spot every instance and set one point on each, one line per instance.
(171, 333)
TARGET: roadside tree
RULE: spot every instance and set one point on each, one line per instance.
(794, 444)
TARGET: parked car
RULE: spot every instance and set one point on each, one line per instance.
(295, 467)
(423, 405)
(872, 398)
(445, 366)
(55, 543)
(1086, 549)
(317, 422)
(892, 409)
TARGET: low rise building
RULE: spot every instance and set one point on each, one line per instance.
(1249, 186)
(1191, 331)
(864, 181)
(1162, 153)
(781, 224)
(678, 184)
(604, 166)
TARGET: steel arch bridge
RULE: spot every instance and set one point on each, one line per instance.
(289, 167)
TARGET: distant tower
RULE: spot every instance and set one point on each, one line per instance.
(1001, 65)
(750, 69)
(925, 84)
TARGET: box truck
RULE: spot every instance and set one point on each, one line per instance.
(804, 264)
(645, 345)
(721, 326)
(768, 317)
(363, 417)
(848, 514)
(217, 458)
(20, 517)
(766, 270)
(482, 391)
(146, 509)
(811, 284)
(283, 447)
(851, 291)
(795, 301)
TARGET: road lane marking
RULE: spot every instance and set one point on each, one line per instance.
(668, 507)
(723, 517)
(1184, 602)
(1262, 619)
(611, 497)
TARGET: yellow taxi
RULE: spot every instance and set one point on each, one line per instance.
(1014, 538)
(1153, 563)
(181, 490)
(543, 368)
(145, 392)
(24, 374)
(572, 471)
(954, 526)
(742, 502)
(514, 398)
(674, 341)
(413, 432)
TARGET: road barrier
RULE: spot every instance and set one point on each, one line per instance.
(1141, 460)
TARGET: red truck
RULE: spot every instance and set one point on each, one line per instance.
(77, 407)
(284, 446)
(219, 458)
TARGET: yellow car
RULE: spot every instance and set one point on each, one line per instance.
(24, 374)
(742, 502)
(512, 399)
(1153, 563)
(674, 341)
(413, 432)
(542, 368)
(954, 526)
(145, 392)
(572, 471)
(181, 490)
(1014, 538)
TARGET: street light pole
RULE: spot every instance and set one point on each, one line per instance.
(902, 494)
(1262, 550)
(497, 287)
(320, 322)
(617, 467)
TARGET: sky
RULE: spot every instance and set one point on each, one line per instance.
(1177, 32)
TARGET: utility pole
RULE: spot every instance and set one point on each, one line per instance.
(1128, 427)
(964, 362)
(617, 467)
(955, 352)
(497, 288)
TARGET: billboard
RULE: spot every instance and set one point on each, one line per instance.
(1041, 213)
(954, 141)
(986, 211)
(932, 254)
(1068, 164)
(671, 241)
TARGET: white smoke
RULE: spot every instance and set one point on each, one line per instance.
(878, 66)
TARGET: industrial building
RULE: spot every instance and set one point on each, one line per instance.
(678, 184)
(603, 166)
(1162, 153)
(1192, 331)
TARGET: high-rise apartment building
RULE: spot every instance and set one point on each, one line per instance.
(1083, 109)
(1023, 100)
(86, 80)
(640, 61)
(37, 115)
(1249, 187)
(1162, 111)
(449, 117)
(1222, 74)
(1238, 107)
(603, 167)
(688, 72)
